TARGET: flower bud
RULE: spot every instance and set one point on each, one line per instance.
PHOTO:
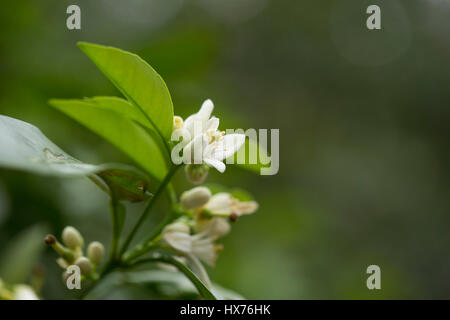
(195, 198)
(84, 264)
(50, 239)
(65, 253)
(196, 173)
(95, 252)
(62, 263)
(177, 122)
(72, 238)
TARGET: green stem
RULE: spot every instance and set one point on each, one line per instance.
(115, 207)
(140, 249)
(144, 215)
(172, 194)
(109, 267)
(116, 259)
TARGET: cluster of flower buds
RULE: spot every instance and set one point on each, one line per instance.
(209, 220)
(71, 252)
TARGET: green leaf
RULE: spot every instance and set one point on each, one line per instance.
(123, 133)
(170, 259)
(122, 107)
(22, 254)
(127, 183)
(201, 287)
(25, 147)
(126, 110)
(137, 81)
(174, 283)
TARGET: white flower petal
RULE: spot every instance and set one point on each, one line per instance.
(209, 150)
(188, 123)
(245, 207)
(193, 152)
(206, 110)
(177, 226)
(230, 144)
(220, 203)
(219, 165)
(179, 241)
(196, 123)
(212, 124)
(205, 250)
(219, 228)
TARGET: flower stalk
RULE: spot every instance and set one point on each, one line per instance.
(147, 210)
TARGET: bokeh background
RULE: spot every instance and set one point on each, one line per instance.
(364, 130)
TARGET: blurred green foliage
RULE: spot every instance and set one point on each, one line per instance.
(364, 176)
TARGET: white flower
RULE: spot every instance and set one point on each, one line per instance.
(195, 121)
(177, 235)
(224, 205)
(205, 249)
(203, 142)
(201, 245)
(199, 119)
(213, 227)
(24, 292)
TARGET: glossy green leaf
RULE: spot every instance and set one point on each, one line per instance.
(137, 81)
(122, 107)
(22, 254)
(174, 283)
(127, 183)
(25, 147)
(122, 132)
(126, 110)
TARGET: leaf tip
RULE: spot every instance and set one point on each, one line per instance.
(53, 102)
(84, 46)
(81, 44)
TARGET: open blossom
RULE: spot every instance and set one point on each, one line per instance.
(203, 142)
(225, 205)
(201, 245)
(210, 222)
(221, 204)
(177, 235)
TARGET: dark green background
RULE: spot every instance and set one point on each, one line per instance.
(363, 118)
